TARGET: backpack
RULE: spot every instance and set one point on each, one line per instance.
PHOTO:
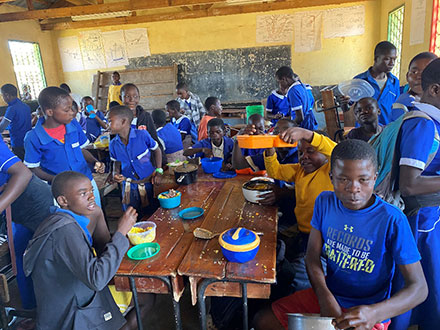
(384, 144)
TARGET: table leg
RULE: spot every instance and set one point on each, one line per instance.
(245, 306)
(177, 318)
(201, 301)
(136, 303)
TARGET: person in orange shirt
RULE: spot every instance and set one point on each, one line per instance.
(214, 110)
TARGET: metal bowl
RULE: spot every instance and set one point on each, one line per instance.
(309, 322)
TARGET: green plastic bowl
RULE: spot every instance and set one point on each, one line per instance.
(143, 251)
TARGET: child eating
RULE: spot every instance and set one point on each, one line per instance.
(214, 110)
(181, 122)
(169, 136)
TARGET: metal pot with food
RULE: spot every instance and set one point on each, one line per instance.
(186, 174)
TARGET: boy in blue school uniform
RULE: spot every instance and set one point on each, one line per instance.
(277, 106)
(300, 98)
(56, 143)
(385, 84)
(417, 142)
(18, 117)
(181, 122)
(216, 145)
(362, 238)
(169, 136)
(95, 125)
(131, 151)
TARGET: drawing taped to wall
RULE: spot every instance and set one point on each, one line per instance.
(274, 28)
(70, 54)
(308, 27)
(114, 48)
(91, 50)
(137, 43)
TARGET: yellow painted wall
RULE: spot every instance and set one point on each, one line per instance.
(26, 31)
(338, 60)
(408, 52)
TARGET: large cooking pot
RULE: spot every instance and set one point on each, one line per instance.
(186, 174)
(309, 322)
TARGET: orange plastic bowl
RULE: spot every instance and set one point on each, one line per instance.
(262, 142)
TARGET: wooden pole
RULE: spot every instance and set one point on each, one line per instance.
(331, 120)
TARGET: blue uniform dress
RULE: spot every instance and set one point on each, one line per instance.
(183, 124)
(19, 114)
(277, 103)
(404, 102)
(301, 99)
(171, 138)
(92, 127)
(385, 98)
(228, 145)
(362, 248)
(135, 158)
(415, 144)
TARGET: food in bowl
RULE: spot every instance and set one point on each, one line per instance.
(142, 232)
(169, 194)
(254, 190)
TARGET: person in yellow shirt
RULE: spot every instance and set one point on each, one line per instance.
(114, 90)
(311, 177)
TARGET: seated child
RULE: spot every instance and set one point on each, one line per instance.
(214, 110)
(366, 111)
(131, 151)
(169, 136)
(362, 238)
(70, 281)
(181, 122)
(56, 143)
(414, 77)
(216, 145)
(94, 121)
(277, 106)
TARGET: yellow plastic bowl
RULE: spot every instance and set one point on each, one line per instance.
(142, 232)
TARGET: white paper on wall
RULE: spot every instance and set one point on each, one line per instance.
(137, 42)
(91, 50)
(274, 28)
(418, 15)
(114, 48)
(344, 22)
(70, 54)
(308, 31)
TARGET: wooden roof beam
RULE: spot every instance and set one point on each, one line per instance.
(100, 8)
(30, 5)
(214, 11)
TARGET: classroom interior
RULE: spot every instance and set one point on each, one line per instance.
(197, 30)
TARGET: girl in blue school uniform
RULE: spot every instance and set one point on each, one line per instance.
(419, 140)
(277, 106)
(169, 136)
(94, 122)
(299, 96)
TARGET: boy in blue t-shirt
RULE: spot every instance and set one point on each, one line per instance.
(131, 151)
(300, 98)
(169, 136)
(180, 121)
(18, 117)
(216, 145)
(94, 121)
(277, 106)
(362, 238)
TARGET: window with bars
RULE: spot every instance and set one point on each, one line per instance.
(395, 33)
(28, 68)
(435, 29)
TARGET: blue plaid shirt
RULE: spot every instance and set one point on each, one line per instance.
(193, 107)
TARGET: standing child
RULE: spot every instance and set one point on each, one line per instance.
(214, 108)
(300, 99)
(362, 238)
(277, 106)
(366, 111)
(94, 119)
(169, 136)
(131, 150)
(114, 90)
(379, 76)
(181, 122)
(17, 117)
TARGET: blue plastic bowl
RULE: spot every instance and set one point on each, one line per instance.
(212, 165)
(170, 203)
(240, 257)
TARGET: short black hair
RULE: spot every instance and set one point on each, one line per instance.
(289, 121)
(212, 100)
(66, 87)
(75, 106)
(431, 74)
(127, 86)
(182, 85)
(285, 72)
(116, 72)
(174, 105)
(353, 150)
(369, 98)
(86, 98)
(217, 122)
(422, 56)
(50, 97)
(113, 104)
(121, 111)
(159, 118)
(9, 89)
(383, 48)
(256, 117)
(63, 180)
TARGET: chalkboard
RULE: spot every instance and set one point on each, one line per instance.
(244, 74)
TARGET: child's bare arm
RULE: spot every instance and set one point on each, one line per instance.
(17, 183)
(294, 134)
(193, 151)
(238, 160)
(327, 301)
(99, 167)
(364, 317)
(38, 171)
(298, 116)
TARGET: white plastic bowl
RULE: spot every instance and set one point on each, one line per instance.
(254, 196)
(144, 237)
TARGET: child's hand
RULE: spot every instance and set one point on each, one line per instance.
(248, 130)
(269, 152)
(227, 167)
(109, 179)
(99, 167)
(157, 178)
(127, 220)
(278, 115)
(294, 134)
(359, 317)
(119, 178)
(268, 198)
(208, 152)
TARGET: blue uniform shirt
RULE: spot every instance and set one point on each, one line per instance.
(135, 156)
(387, 97)
(277, 103)
(228, 145)
(362, 248)
(52, 155)
(172, 140)
(7, 159)
(80, 219)
(301, 99)
(92, 127)
(403, 102)
(183, 124)
(19, 115)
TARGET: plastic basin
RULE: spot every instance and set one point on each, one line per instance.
(212, 165)
(169, 203)
(143, 237)
(143, 251)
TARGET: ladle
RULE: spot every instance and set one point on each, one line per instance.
(203, 233)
